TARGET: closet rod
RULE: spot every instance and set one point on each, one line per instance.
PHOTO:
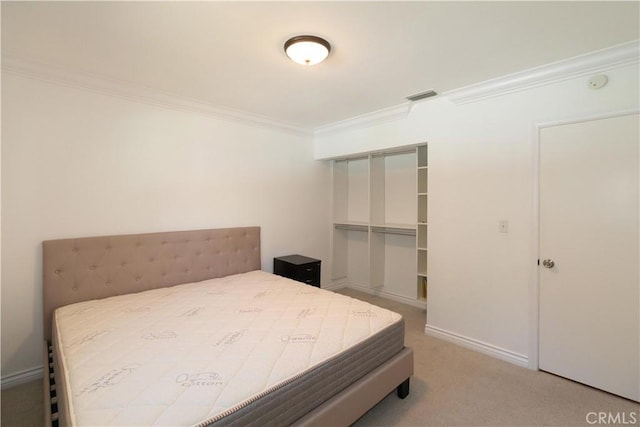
(399, 231)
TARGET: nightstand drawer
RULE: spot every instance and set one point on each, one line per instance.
(309, 273)
(298, 267)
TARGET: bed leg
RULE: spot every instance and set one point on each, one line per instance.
(403, 389)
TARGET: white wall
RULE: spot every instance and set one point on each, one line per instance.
(481, 171)
(77, 163)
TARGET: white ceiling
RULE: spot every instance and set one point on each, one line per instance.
(230, 55)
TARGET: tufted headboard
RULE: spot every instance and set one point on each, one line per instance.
(76, 270)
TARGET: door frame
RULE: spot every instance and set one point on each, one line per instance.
(534, 282)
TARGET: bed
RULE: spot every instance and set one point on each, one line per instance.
(182, 328)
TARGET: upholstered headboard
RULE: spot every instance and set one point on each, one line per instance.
(76, 270)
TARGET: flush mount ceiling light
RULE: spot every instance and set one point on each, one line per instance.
(307, 50)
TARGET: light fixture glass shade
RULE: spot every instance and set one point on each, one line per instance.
(307, 50)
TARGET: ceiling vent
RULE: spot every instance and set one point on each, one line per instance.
(422, 95)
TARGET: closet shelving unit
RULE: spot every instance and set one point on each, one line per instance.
(421, 238)
(375, 233)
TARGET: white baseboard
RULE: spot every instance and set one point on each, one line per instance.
(21, 377)
(334, 286)
(386, 294)
(482, 347)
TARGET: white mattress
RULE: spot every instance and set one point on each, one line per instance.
(197, 352)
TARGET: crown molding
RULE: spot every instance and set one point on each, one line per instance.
(113, 87)
(365, 120)
(599, 61)
(594, 62)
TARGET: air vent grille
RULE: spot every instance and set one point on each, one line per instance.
(422, 95)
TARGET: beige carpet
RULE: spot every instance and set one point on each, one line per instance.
(452, 386)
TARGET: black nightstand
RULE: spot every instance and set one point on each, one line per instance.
(298, 267)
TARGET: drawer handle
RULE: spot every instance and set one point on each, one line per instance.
(307, 281)
(309, 269)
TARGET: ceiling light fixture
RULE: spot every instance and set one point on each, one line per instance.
(307, 50)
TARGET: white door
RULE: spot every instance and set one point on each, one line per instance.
(589, 327)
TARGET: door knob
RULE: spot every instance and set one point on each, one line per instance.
(548, 263)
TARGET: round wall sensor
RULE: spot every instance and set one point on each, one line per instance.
(597, 82)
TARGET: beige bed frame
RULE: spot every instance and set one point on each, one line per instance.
(76, 270)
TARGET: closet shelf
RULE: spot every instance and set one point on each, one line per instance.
(394, 225)
(338, 222)
(352, 226)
